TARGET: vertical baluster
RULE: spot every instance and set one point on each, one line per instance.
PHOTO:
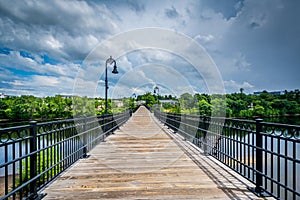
(228, 128)
(33, 159)
(259, 165)
(252, 160)
(20, 167)
(294, 169)
(27, 164)
(285, 167)
(244, 151)
(42, 155)
(205, 135)
(248, 154)
(51, 153)
(240, 153)
(84, 137)
(48, 154)
(266, 171)
(6, 168)
(272, 164)
(278, 167)
(14, 168)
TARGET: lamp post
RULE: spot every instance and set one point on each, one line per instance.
(110, 61)
(156, 91)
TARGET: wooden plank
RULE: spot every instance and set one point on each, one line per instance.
(142, 160)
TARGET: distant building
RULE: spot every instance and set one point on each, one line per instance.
(141, 102)
(66, 96)
(118, 102)
(273, 92)
(2, 96)
(173, 102)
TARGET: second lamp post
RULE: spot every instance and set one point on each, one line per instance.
(110, 61)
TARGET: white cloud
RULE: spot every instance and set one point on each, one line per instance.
(53, 43)
(233, 86)
(242, 37)
(14, 83)
(204, 38)
(62, 29)
(14, 60)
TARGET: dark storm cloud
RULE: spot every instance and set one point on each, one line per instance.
(137, 6)
(62, 29)
(267, 35)
(171, 12)
(228, 8)
(255, 44)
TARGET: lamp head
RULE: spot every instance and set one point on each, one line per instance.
(115, 70)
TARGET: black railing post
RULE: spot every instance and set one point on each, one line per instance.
(184, 127)
(111, 125)
(104, 127)
(258, 190)
(258, 157)
(33, 159)
(84, 137)
(205, 127)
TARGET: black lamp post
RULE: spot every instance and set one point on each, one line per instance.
(110, 61)
(156, 91)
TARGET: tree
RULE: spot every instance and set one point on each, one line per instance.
(258, 110)
(3, 107)
(148, 98)
(204, 107)
(218, 107)
(242, 90)
(187, 101)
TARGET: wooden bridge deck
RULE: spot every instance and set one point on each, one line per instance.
(144, 160)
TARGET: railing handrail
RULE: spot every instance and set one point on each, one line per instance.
(54, 146)
(252, 148)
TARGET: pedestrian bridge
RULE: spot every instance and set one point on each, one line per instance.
(150, 155)
(144, 159)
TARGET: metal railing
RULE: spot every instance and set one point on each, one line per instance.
(267, 154)
(33, 155)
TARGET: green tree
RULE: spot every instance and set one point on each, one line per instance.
(258, 110)
(3, 107)
(204, 107)
(187, 101)
(219, 107)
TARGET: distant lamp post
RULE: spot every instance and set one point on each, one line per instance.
(156, 91)
(133, 97)
(109, 61)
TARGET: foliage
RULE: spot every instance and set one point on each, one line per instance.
(231, 105)
(30, 107)
(58, 107)
(149, 98)
(239, 104)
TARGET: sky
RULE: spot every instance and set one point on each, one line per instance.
(61, 47)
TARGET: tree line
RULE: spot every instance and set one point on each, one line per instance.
(239, 105)
(57, 107)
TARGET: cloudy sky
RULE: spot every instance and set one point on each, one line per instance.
(45, 46)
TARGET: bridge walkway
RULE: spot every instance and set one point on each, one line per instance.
(145, 160)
